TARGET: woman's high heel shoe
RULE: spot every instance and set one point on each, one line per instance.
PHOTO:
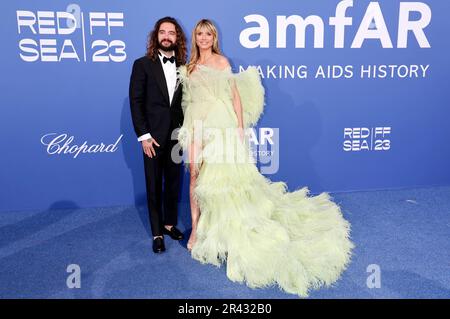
(190, 243)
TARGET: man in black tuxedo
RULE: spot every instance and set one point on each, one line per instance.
(155, 101)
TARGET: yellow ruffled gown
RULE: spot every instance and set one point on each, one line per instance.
(265, 234)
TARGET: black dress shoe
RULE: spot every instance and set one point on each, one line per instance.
(158, 245)
(174, 233)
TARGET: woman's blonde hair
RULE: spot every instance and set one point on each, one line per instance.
(195, 53)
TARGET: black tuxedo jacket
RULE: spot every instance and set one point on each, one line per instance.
(149, 101)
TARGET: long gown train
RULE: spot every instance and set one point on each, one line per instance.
(265, 234)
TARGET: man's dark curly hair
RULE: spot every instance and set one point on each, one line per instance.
(152, 44)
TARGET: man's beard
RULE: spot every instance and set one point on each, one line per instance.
(169, 48)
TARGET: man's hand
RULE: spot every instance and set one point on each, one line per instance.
(149, 147)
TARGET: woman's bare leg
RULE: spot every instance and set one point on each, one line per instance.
(195, 211)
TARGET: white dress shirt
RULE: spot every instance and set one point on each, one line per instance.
(170, 73)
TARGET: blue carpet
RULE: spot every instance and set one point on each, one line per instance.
(404, 232)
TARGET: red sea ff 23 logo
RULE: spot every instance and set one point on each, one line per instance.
(71, 35)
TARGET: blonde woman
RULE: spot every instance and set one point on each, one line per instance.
(264, 233)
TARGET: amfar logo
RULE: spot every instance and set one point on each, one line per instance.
(265, 144)
(372, 26)
(50, 36)
(367, 139)
(62, 144)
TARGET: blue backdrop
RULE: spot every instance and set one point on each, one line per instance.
(357, 94)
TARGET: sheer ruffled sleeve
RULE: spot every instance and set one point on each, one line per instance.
(183, 80)
(185, 132)
(251, 93)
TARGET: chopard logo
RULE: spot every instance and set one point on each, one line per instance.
(62, 144)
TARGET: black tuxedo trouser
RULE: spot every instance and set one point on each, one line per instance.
(159, 168)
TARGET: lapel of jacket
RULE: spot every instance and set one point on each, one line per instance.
(178, 86)
(160, 78)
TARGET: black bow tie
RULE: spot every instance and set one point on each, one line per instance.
(171, 59)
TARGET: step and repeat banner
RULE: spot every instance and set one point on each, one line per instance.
(357, 94)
